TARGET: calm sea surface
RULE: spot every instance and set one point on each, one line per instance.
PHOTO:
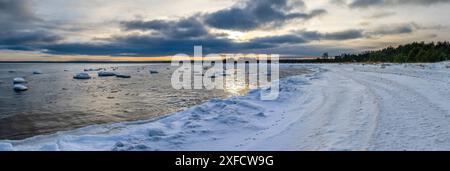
(57, 102)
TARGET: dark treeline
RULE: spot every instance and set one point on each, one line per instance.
(414, 52)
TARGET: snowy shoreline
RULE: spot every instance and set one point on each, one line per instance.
(337, 107)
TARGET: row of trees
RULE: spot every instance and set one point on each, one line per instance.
(414, 52)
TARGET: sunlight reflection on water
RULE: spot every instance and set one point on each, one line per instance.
(56, 102)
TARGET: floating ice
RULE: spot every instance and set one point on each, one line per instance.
(106, 74)
(19, 80)
(249, 123)
(123, 76)
(82, 75)
(20, 87)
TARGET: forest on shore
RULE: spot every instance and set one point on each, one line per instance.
(413, 52)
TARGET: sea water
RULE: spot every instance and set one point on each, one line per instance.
(57, 102)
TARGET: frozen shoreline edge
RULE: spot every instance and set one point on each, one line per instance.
(336, 108)
(45, 141)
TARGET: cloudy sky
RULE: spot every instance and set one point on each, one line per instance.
(117, 29)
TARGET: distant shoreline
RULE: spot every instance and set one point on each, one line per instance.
(7, 62)
(143, 62)
(284, 61)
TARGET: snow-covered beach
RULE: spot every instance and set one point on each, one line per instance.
(337, 107)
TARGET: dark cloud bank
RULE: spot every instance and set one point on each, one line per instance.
(257, 13)
(20, 28)
(23, 31)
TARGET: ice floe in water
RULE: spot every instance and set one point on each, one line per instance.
(18, 84)
(106, 74)
(20, 87)
(82, 75)
(214, 125)
(322, 110)
(19, 80)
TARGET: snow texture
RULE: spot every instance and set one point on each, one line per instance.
(337, 107)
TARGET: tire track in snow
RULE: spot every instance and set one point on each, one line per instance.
(409, 120)
(339, 109)
(350, 111)
(336, 114)
(371, 124)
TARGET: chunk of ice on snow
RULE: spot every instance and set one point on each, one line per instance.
(19, 80)
(20, 87)
(82, 75)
